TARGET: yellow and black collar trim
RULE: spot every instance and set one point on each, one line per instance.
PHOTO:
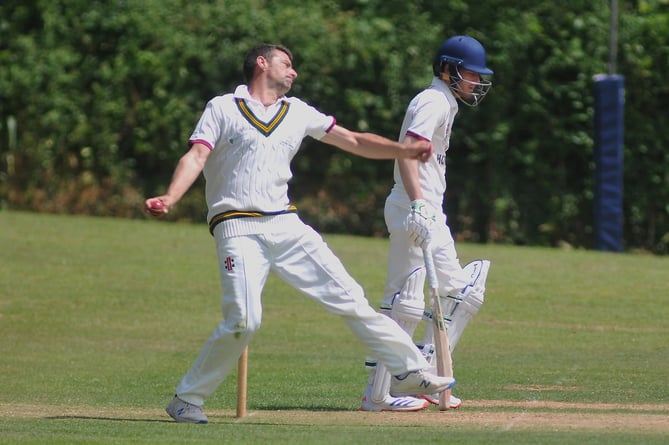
(264, 128)
(233, 214)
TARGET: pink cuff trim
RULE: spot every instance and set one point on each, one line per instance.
(417, 136)
(334, 122)
(200, 141)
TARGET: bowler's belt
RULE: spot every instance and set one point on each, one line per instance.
(234, 214)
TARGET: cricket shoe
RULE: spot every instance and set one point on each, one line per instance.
(419, 383)
(184, 412)
(454, 402)
(390, 403)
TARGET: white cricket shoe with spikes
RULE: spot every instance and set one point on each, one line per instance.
(418, 383)
(390, 403)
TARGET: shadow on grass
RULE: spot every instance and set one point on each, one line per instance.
(320, 409)
(113, 419)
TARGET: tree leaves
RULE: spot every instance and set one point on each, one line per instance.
(106, 93)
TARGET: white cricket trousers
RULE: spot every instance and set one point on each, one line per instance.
(404, 256)
(299, 256)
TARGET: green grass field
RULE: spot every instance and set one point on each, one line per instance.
(100, 318)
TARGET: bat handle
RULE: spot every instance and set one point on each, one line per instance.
(429, 268)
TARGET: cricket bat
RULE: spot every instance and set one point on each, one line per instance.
(441, 345)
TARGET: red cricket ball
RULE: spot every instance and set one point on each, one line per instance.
(157, 205)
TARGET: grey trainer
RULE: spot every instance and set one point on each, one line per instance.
(185, 412)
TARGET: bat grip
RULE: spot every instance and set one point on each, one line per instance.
(429, 268)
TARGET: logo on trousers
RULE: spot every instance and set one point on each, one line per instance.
(229, 263)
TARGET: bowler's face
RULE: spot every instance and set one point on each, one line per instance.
(281, 71)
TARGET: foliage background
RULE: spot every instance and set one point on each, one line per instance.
(98, 98)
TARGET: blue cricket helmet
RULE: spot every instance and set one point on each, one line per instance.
(464, 52)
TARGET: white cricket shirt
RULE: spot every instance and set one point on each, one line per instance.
(252, 148)
(429, 116)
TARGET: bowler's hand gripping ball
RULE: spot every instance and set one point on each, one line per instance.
(157, 208)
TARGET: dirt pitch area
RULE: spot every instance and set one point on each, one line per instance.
(487, 414)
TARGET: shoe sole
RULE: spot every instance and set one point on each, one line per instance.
(401, 410)
(433, 402)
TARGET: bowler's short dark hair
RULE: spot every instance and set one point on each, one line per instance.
(265, 50)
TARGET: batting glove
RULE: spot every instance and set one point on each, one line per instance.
(419, 223)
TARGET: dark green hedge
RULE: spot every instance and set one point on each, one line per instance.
(98, 98)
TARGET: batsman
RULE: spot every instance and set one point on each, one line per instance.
(416, 221)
